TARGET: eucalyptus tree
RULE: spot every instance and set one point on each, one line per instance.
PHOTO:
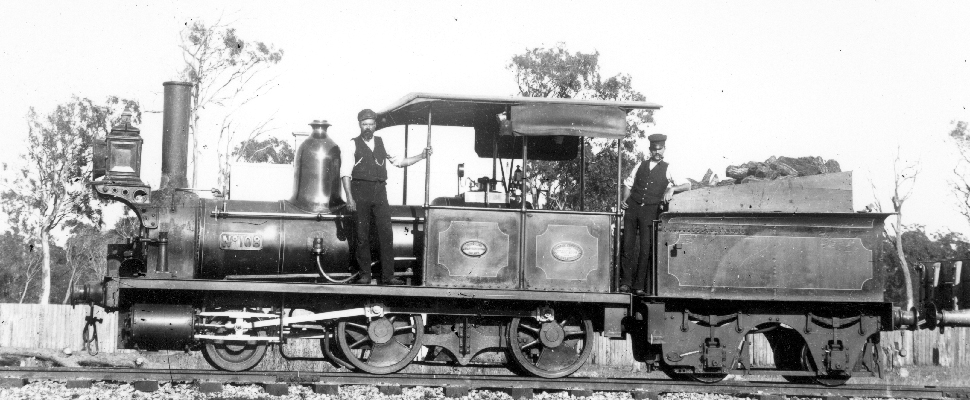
(558, 73)
(48, 189)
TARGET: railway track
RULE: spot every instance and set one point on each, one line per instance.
(276, 382)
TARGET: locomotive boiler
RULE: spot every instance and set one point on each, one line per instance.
(489, 272)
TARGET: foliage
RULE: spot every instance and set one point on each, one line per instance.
(48, 190)
(227, 72)
(271, 150)
(961, 182)
(555, 72)
(86, 258)
(919, 245)
(19, 268)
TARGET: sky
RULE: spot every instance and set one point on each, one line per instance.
(861, 82)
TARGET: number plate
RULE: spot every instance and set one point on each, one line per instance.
(240, 241)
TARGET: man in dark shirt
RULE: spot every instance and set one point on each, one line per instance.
(363, 173)
(649, 184)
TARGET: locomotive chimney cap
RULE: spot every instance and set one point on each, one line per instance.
(319, 122)
(124, 126)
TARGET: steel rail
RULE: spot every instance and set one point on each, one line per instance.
(484, 382)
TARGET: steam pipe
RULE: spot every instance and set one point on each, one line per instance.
(954, 318)
(162, 252)
(175, 134)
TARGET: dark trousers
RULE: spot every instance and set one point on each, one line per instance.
(371, 199)
(637, 229)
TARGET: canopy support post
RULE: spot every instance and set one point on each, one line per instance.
(404, 200)
(619, 215)
(522, 219)
(582, 173)
(427, 166)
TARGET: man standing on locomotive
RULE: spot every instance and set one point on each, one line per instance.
(648, 185)
(363, 173)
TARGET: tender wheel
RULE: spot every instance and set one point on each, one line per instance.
(669, 371)
(550, 349)
(382, 345)
(234, 356)
(702, 377)
(705, 377)
(825, 380)
(789, 350)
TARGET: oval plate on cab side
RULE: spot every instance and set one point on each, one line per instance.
(567, 252)
(474, 248)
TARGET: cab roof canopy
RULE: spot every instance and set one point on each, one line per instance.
(553, 125)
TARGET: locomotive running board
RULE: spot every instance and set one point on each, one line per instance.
(374, 290)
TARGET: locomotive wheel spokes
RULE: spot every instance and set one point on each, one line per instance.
(380, 345)
(550, 349)
(331, 350)
(234, 356)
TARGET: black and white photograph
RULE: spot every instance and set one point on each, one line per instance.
(485, 200)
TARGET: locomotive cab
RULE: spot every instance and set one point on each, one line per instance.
(494, 239)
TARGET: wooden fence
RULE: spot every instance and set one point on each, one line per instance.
(59, 326)
(53, 326)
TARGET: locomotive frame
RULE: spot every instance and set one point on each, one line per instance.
(488, 273)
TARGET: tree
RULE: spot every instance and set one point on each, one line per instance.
(19, 267)
(557, 73)
(86, 253)
(271, 150)
(228, 73)
(49, 190)
(904, 180)
(961, 182)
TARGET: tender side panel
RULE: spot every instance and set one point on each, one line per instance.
(764, 256)
(472, 248)
(567, 252)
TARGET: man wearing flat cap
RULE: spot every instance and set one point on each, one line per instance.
(648, 185)
(363, 173)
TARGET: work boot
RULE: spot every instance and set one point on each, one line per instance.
(363, 279)
(624, 288)
(395, 282)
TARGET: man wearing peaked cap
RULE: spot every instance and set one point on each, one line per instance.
(363, 173)
(648, 185)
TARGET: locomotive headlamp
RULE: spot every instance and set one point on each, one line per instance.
(119, 159)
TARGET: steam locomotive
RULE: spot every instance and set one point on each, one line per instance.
(486, 271)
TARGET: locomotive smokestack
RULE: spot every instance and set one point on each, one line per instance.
(175, 134)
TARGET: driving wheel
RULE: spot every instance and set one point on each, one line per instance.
(234, 356)
(380, 345)
(551, 349)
